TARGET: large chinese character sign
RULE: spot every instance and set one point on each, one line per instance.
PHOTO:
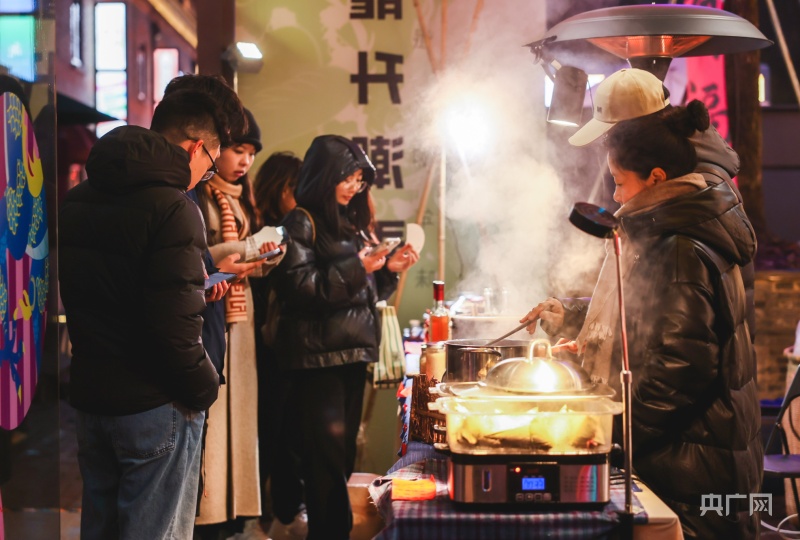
(23, 261)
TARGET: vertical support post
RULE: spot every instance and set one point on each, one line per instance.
(216, 31)
(626, 377)
(442, 206)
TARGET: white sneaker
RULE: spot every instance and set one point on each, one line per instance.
(296, 530)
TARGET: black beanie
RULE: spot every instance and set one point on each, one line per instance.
(253, 134)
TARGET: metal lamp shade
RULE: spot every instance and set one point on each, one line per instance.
(649, 32)
(569, 90)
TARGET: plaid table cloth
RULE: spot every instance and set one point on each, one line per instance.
(439, 519)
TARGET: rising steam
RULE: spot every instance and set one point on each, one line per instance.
(507, 204)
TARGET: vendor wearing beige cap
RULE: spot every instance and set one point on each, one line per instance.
(627, 94)
(695, 411)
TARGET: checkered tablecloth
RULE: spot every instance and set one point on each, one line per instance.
(439, 519)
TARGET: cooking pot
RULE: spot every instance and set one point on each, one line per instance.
(470, 359)
(532, 404)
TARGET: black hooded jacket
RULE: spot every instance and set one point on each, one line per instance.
(131, 274)
(696, 415)
(327, 310)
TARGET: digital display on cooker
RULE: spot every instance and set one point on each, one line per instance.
(532, 483)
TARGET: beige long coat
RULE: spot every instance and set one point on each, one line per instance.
(230, 465)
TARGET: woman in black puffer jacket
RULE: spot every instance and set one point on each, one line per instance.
(328, 328)
(695, 410)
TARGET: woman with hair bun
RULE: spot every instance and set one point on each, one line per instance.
(695, 409)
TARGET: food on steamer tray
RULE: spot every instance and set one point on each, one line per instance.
(550, 432)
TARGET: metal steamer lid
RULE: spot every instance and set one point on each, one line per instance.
(539, 374)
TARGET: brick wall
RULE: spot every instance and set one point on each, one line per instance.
(777, 299)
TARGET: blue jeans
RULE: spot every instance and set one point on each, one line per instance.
(140, 473)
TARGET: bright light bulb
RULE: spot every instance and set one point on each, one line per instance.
(468, 125)
(249, 50)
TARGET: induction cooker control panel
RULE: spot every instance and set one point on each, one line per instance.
(533, 483)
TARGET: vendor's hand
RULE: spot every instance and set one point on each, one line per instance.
(565, 345)
(551, 311)
(403, 259)
(215, 293)
(373, 261)
(231, 265)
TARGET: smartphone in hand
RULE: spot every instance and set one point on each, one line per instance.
(387, 244)
(218, 277)
(268, 255)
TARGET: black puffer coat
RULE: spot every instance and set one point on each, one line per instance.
(131, 250)
(696, 415)
(327, 310)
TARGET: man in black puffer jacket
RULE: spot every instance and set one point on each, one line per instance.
(132, 283)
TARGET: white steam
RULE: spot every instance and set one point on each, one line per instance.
(507, 202)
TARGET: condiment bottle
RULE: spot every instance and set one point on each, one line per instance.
(440, 317)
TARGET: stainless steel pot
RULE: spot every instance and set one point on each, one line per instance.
(469, 359)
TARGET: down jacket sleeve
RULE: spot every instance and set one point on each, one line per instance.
(173, 304)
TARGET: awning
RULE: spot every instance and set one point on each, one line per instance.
(72, 111)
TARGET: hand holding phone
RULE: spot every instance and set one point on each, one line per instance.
(387, 244)
(218, 277)
(269, 255)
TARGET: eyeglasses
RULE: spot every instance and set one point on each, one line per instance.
(211, 170)
(350, 183)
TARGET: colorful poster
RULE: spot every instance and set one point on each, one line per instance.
(24, 262)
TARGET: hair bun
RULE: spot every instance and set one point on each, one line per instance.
(698, 115)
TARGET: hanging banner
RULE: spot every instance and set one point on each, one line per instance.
(706, 80)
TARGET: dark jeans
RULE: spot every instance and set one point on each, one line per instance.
(323, 417)
(140, 473)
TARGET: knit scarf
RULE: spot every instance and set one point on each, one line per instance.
(602, 319)
(235, 299)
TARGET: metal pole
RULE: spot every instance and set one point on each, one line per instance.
(442, 225)
(627, 380)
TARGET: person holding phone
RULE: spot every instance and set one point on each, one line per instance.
(231, 489)
(328, 329)
(279, 466)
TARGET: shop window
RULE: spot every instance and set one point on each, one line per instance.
(17, 45)
(165, 68)
(17, 6)
(111, 54)
(75, 52)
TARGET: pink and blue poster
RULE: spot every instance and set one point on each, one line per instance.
(23, 261)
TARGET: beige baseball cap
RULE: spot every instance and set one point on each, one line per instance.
(628, 93)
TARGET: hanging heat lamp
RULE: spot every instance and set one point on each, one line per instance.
(648, 36)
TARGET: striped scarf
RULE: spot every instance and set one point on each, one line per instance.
(235, 300)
